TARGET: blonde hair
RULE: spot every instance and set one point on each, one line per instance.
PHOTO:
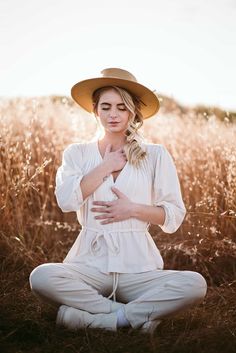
(134, 152)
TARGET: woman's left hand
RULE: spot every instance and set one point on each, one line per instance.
(113, 211)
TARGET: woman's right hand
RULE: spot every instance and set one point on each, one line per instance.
(116, 160)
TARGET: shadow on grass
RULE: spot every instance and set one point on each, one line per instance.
(28, 325)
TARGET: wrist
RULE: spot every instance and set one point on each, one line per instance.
(134, 210)
(107, 170)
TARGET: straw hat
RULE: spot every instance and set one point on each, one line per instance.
(82, 91)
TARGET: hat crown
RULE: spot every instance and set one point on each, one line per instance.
(118, 73)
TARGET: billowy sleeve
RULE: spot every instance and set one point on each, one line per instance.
(167, 192)
(68, 177)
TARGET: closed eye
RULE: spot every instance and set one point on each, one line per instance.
(107, 106)
(121, 109)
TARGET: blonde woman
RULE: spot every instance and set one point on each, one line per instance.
(113, 275)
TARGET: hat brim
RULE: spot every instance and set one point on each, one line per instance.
(82, 92)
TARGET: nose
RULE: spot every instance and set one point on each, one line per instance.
(113, 114)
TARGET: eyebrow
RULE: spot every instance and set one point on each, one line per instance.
(110, 103)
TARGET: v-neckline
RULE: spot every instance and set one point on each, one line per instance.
(111, 176)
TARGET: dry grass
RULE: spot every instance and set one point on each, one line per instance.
(33, 230)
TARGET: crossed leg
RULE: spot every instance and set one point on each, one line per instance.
(156, 294)
(83, 291)
(74, 285)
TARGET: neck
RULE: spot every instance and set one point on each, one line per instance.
(116, 141)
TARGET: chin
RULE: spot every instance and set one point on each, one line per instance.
(115, 129)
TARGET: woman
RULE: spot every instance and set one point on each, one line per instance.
(113, 275)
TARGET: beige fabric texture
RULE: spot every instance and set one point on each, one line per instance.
(126, 246)
(146, 296)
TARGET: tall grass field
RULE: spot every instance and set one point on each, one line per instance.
(33, 230)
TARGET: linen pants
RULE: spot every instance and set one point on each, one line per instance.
(145, 296)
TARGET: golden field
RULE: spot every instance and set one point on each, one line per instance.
(34, 132)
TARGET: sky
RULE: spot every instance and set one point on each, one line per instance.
(185, 49)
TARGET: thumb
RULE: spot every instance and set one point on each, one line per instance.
(118, 193)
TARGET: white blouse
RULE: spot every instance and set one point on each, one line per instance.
(125, 246)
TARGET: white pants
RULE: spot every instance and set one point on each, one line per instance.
(147, 296)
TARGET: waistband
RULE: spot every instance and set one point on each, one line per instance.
(110, 237)
(123, 230)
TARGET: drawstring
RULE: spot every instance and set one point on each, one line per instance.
(110, 240)
(115, 285)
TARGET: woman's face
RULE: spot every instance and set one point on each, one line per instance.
(111, 110)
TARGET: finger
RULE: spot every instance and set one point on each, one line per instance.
(108, 148)
(120, 149)
(118, 193)
(122, 152)
(103, 216)
(102, 203)
(100, 209)
(112, 220)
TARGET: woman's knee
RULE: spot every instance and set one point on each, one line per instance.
(40, 279)
(196, 286)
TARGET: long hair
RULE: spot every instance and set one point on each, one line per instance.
(133, 150)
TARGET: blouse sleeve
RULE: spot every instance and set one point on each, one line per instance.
(68, 177)
(167, 193)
